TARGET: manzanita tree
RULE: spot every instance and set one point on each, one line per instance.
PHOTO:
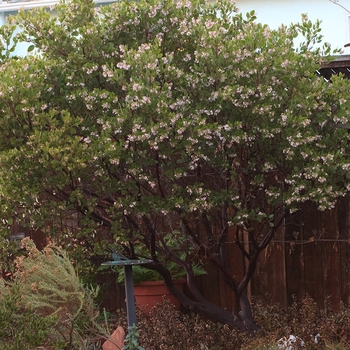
(170, 127)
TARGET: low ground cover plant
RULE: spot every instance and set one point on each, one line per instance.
(302, 326)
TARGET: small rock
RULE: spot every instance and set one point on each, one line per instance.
(116, 340)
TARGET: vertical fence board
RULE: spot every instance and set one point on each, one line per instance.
(209, 285)
(313, 263)
(343, 211)
(331, 259)
(344, 285)
(277, 272)
(260, 281)
(270, 276)
(293, 258)
(113, 293)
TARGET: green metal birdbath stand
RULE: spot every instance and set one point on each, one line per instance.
(121, 260)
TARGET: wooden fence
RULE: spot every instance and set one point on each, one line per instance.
(310, 256)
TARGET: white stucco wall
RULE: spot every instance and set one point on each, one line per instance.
(335, 20)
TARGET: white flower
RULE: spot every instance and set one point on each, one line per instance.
(291, 343)
(123, 65)
(136, 87)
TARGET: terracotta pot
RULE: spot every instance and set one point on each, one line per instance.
(150, 293)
